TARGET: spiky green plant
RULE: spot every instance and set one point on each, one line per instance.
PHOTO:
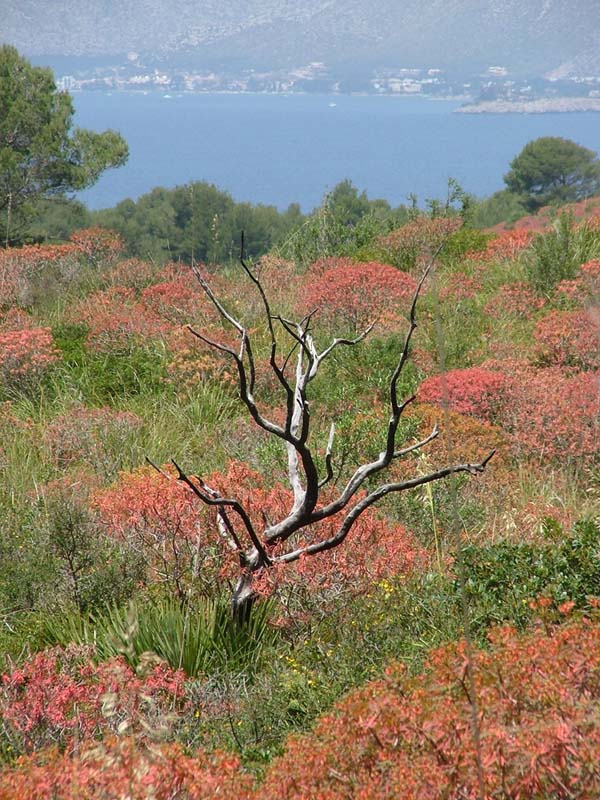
(200, 638)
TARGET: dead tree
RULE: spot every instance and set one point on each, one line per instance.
(255, 546)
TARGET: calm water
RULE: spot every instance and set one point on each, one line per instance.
(280, 149)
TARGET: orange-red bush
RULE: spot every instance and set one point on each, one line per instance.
(553, 414)
(476, 391)
(506, 246)
(116, 319)
(179, 536)
(15, 319)
(462, 438)
(180, 301)
(25, 356)
(460, 287)
(163, 522)
(192, 362)
(547, 412)
(514, 299)
(354, 294)
(25, 271)
(97, 245)
(403, 737)
(120, 768)
(28, 273)
(58, 697)
(584, 287)
(411, 738)
(568, 339)
(133, 273)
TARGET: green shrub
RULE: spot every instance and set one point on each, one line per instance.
(503, 578)
(557, 254)
(53, 553)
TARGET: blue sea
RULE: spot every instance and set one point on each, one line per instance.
(280, 149)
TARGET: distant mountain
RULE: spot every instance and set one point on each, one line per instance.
(526, 36)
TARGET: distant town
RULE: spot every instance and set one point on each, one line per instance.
(494, 89)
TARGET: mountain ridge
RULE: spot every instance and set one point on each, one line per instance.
(526, 36)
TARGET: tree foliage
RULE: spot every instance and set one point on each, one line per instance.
(345, 224)
(502, 206)
(196, 221)
(552, 169)
(39, 154)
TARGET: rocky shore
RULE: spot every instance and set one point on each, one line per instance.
(560, 105)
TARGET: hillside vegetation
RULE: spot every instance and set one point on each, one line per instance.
(449, 648)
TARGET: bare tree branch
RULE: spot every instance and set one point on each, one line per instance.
(328, 457)
(220, 501)
(350, 342)
(279, 371)
(211, 342)
(417, 445)
(374, 497)
(212, 498)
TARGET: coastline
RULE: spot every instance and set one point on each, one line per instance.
(558, 105)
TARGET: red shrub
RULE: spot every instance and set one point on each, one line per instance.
(353, 294)
(506, 246)
(144, 499)
(553, 414)
(375, 549)
(116, 319)
(463, 438)
(133, 274)
(411, 738)
(590, 276)
(180, 537)
(122, 768)
(193, 362)
(402, 736)
(547, 413)
(97, 245)
(25, 356)
(15, 319)
(585, 287)
(25, 271)
(219, 282)
(460, 287)
(568, 339)
(58, 695)
(529, 522)
(180, 301)
(167, 525)
(476, 391)
(515, 299)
